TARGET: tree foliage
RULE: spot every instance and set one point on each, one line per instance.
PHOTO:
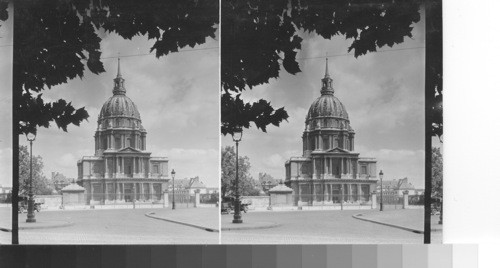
(261, 38)
(247, 185)
(437, 173)
(264, 177)
(56, 40)
(41, 185)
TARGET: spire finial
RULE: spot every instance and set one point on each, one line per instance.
(119, 73)
(119, 87)
(327, 87)
(326, 69)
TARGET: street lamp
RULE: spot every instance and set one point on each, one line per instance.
(173, 189)
(381, 175)
(237, 134)
(31, 214)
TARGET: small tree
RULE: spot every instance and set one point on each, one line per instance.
(41, 185)
(247, 185)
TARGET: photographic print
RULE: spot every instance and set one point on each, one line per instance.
(118, 116)
(323, 117)
(6, 35)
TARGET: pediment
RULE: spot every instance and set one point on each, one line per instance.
(337, 150)
(129, 150)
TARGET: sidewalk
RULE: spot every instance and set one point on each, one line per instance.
(407, 219)
(228, 225)
(202, 218)
(6, 222)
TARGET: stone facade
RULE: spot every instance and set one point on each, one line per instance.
(121, 170)
(329, 168)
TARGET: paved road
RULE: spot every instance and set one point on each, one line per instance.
(121, 226)
(325, 227)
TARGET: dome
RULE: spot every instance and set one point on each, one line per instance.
(327, 105)
(119, 106)
(327, 112)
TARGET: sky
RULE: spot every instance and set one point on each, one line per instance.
(382, 92)
(6, 101)
(177, 97)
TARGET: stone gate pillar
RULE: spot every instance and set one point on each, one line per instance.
(405, 199)
(165, 199)
(374, 200)
(197, 198)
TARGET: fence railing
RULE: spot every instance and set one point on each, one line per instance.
(209, 198)
(362, 201)
(330, 200)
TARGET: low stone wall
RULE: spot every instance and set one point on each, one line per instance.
(256, 201)
(49, 201)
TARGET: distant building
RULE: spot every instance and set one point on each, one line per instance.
(5, 194)
(193, 185)
(5, 189)
(397, 187)
(121, 168)
(60, 181)
(329, 167)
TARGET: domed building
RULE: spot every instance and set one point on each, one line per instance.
(121, 169)
(329, 169)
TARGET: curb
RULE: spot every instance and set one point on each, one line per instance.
(62, 224)
(149, 215)
(358, 216)
(272, 225)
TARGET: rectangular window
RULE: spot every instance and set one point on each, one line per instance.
(363, 170)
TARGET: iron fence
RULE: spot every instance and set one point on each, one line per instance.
(209, 198)
(331, 200)
(5, 198)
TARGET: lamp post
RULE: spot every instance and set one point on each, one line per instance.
(237, 134)
(173, 189)
(381, 175)
(31, 214)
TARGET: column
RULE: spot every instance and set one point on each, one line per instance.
(306, 141)
(142, 190)
(133, 166)
(150, 191)
(105, 167)
(142, 166)
(349, 193)
(91, 192)
(314, 167)
(324, 192)
(123, 192)
(123, 140)
(115, 166)
(112, 140)
(325, 168)
(360, 194)
(299, 199)
(341, 166)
